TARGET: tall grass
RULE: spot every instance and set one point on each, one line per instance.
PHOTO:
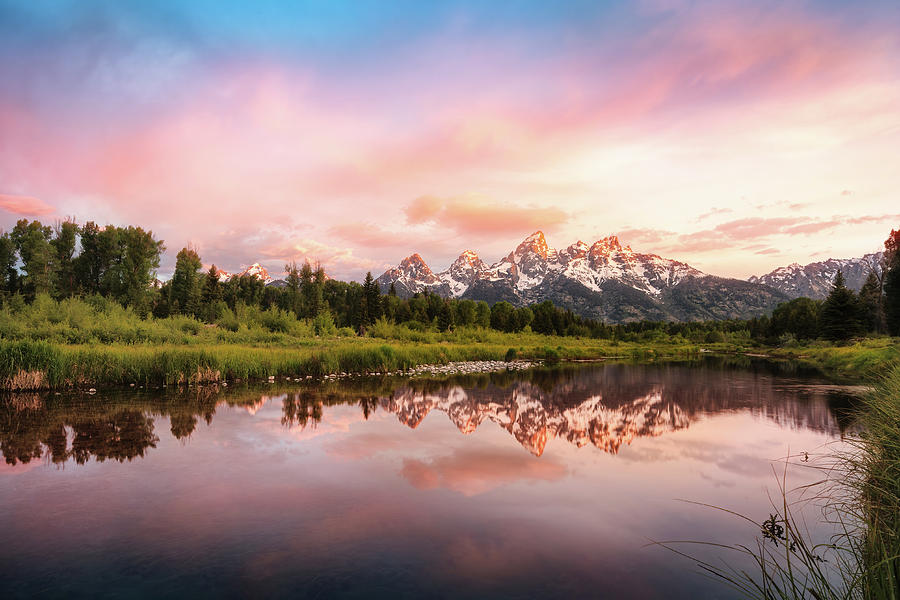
(859, 496)
(875, 475)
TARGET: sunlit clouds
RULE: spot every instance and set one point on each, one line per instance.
(359, 136)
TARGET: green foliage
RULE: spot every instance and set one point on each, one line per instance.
(839, 318)
(184, 293)
(32, 241)
(551, 356)
(871, 300)
(228, 320)
(510, 355)
(323, 324)
(799, 317)
(714, 337)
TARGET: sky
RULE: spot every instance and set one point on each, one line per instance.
(736, 136)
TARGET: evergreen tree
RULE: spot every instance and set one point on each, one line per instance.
(892, 282)
(211, 295)
(393, 291)
(799, 317)
(445, 317)
(872, 304)
(839, 318)
(185, 294)
(371, 300)
(503, 317)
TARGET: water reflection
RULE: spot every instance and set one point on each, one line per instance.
(606, 407)
(500, 485)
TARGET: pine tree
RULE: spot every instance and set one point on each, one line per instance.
(892, 282)
(393, 291)
(872, 304)
(445, 317)
(371, 300)
(210, 295)
(839, 319)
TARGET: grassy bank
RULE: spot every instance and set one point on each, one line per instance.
(31, 365)
(864, 361)
(97, 342)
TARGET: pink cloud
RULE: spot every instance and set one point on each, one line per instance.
(332, 258)
(25, 205)
(644, 236)
(473, 214)
(259, 141)
(475, 472)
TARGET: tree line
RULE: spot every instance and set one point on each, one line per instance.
(69, 260)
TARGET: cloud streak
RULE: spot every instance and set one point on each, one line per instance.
(25, 206)
(478, 215)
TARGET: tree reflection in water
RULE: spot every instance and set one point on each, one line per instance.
(605, 406)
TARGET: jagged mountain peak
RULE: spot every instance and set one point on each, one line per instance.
(605, 280)
(608, 245)
(256, 270)
(535, 243)
(414, 260)
(815, 279)
(467, 257)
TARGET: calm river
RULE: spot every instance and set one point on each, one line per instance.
(540, 484)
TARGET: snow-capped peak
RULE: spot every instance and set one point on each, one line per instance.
(534, 263)
(534, 243)
(256, 270)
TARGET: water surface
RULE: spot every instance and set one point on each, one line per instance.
(537, 484)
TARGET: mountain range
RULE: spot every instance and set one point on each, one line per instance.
(254, 270)
(605, 280)
(815, 279)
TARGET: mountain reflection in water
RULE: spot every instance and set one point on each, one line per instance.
(605, 407)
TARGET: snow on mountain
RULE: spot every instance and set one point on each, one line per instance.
(254, 270)
(815, 279)
(524, 412)
(533, 262)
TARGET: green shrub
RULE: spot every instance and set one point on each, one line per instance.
(511, 355)
(228, 320)
(715, 337)
(551, 357)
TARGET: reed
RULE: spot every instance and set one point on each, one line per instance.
(859, 496)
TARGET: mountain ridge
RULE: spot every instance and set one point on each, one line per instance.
(605, 280)
(815, 279)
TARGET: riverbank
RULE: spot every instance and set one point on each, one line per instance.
(37, 365)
